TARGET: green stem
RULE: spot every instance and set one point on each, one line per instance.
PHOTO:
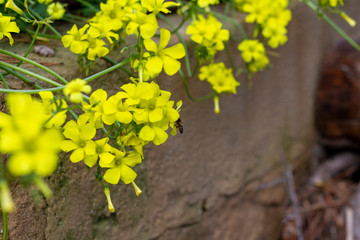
(99, 74)
(195, 69)
(179, 26)
(30, 46)
(113, 63)
(44, 79)
(314, 7)
(47, 24)
(4, 82)
(32, 91)
(31, 32)
(4, 225)
(183, 78)
(23, 78)
(35, 64)
(187, 61)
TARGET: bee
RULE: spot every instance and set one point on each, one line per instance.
(179, 125)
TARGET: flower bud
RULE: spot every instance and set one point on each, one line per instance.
(216, 104)
(137, 189)
(107, 194)
(7, 203)
(349, 20)
(10, 4)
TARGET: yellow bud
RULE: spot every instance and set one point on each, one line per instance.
(349, 20)
(10, 4)
(137, 189)
(216, 104)
(107, 194)
(7, 203)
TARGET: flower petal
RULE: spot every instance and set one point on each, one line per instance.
(77, 155)
(147, 133)
(112, 175)
(171, 66)
(127, 174)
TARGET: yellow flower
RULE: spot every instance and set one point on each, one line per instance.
(94, 111)
(96, 48)
(143, 24)
(157, 6)
(208, 33)
(6, 27)
(52, 105)
(76, 39)
(56, 10)
(220, 78)
(253, 53)
(32, 148)
(164, 57)
(74, 89)
(80, 135)
(120, 167)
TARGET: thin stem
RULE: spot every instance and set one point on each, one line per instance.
(4, 225)
(4, 82)
(21, 77)
(35, 64)
(314, 7)
(99, 74)
(113, 63)
(179, 26)
(183, 78)
(31, 32)
(32, 91)
(195, 69)
(187, 61)
(44, 79)
(30, 46)
(47, 24)
(73, 114)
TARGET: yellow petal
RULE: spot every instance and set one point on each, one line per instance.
(112, 175)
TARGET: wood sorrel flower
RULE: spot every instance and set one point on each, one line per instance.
(56, 10)
(164, 57)
(7, 27)
(74, 89)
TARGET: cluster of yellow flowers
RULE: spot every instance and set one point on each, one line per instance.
(221, 79)
(139, 114)
(116, 17)
(272, 18)
(209, 34)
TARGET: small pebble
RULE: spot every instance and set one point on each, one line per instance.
(44, 51)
